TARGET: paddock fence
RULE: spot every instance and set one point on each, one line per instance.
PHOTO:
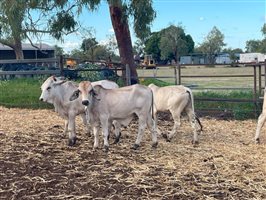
(255, 77)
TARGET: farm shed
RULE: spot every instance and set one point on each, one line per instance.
(195, 58)
(252, 57)
(29, 52)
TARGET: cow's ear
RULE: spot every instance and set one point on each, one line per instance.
(54, 78)
(96, 89)
(74, 96)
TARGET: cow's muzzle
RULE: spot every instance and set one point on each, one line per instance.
(85, 102)
(41, 99)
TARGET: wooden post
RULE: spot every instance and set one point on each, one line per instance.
(128, 75)
(176, 78)
(259, 80)
(255, 90)
(61, 65)
(264, 74)
(179, 73)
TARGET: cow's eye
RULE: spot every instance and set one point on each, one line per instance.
(77, 93)
(48, 88)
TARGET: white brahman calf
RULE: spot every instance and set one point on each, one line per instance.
(175, 99)
(119, 105)
(57, 92)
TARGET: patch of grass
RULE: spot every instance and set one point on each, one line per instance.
(240, 110)
(154, 81)
(22, 93)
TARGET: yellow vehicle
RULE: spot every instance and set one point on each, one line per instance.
(71, 63)
(148, 62)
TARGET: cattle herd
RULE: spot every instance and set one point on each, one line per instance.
(104, 105)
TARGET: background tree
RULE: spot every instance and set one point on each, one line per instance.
(152, 46)
(58, 50)
(142, 15)
(17, 23)
(88, 46)
(258, 46)
(253, 46)
(212, 44)
(174, 43)
(233, 53)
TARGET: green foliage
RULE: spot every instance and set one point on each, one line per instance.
(174, 43)
(152, 46)
(154, 81)
(212, 44)
(258, 46)
(22, 93)
(240, 110)
(169, 43)
(63, 22)
(143, 14)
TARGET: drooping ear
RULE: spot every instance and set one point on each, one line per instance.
(54, 78)
(74, 96)
(96, 89)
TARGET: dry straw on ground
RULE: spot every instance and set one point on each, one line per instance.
(36, 163)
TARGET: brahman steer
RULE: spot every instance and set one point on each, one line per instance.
(57, 92)
(119, 105)
(176, 99)
(261, 119)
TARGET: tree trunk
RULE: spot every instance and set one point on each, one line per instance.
(18, 49)
(122, 34)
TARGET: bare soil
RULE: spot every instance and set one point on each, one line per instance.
(36, 163)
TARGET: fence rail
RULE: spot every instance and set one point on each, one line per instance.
(257, 76)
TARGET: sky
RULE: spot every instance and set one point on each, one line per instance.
(238, 20)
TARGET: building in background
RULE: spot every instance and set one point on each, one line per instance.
(251, 57)
(30, 52)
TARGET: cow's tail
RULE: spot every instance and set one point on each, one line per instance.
(192, 105)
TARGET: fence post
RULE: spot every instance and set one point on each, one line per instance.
(255, 90)
(61, 65)
(128, 75)
(179, 73)
(264, 74)
(259, 80)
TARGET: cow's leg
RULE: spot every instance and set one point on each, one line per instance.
(192, 120)
(105, 124)
(66, 126)
(96, 129)
(158, 131)
(86, 124)
(71, 131)
(152, 127)
(142, 126)
(176, 116)
(117, 126)
(261, 122)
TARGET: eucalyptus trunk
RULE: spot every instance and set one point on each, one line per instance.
(123, 38)
(18, 49)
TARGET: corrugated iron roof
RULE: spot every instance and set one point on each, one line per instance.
(29, 47)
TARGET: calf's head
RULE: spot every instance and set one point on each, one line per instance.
(85, 92)
(48, 89)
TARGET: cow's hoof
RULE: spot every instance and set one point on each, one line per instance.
(72, 142)
(106, 148)
(135, 146)
(117, 138)
(257, 140)
(154, 145)
(195, 143)
(164, 135)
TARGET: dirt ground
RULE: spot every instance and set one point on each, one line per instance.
(36, 163)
